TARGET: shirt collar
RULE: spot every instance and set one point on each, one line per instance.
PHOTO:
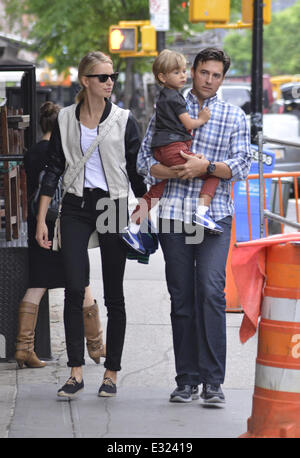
(193, 99)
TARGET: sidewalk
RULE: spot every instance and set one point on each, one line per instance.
(29, 407)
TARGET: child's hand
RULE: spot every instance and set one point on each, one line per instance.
(204, 115)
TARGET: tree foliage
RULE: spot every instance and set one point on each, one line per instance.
(66, 30)
(281, 44)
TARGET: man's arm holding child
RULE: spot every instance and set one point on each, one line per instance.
(196, 166)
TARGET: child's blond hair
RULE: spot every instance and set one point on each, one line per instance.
(166, 62)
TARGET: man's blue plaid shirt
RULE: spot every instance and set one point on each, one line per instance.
(224, 138)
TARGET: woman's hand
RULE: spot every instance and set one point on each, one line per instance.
(41, 226)
(42, 235)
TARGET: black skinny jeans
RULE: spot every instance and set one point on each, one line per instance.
(77, 224)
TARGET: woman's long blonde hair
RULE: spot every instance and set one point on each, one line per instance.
(86, 66)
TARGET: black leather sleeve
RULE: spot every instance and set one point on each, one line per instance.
(55, 165)
(132, 146)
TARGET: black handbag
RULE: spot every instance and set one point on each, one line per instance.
(34, 202)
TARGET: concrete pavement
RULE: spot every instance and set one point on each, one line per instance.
(29, 407)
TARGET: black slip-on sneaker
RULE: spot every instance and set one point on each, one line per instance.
(108, 388)
(71, 388)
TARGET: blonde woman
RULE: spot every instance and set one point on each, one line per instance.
(45, 266)
(101, 184)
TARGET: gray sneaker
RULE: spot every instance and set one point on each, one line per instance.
(185, 393)
(212, 394)
(195, 392)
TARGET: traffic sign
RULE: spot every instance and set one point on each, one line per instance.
(122, 39)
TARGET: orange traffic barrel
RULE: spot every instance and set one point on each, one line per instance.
(233, 303)
(276, 399)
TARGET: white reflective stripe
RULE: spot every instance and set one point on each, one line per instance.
(281, 309)
(277, 379)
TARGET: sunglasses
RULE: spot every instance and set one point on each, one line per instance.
(103, 77)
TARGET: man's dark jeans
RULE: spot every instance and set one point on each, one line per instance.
(195, 275)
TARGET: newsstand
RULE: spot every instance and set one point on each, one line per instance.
(17, 134)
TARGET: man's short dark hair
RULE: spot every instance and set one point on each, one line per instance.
(212, 54)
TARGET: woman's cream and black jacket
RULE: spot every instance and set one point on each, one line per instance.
(118, 152)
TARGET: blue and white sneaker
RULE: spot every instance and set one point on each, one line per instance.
(207, 223)
(133, 240)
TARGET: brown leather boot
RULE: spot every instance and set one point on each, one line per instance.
(25, 354)
(93, 332)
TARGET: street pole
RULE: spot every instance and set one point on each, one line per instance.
(257, 98)
(160, 41)
(160, 18)
(160, 45)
